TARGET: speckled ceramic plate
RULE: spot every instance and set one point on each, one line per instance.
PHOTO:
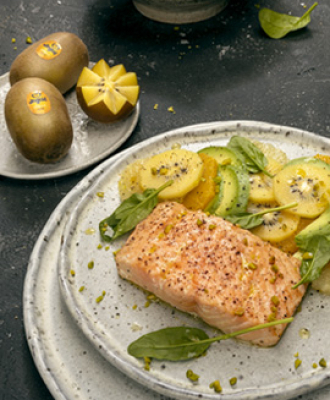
(122, 316)
(92, 142)
(68, 363)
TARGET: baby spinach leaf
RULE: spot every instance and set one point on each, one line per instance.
(174, 344)
(249, 221)
(245, 220)
(277, 25)
(311, 269)
(253, 158)
(127, 206)
(314, 240)
(182, 343)
(130, 212)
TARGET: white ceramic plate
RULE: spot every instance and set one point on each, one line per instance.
(92, 142)
(69, 364)
(122, 317)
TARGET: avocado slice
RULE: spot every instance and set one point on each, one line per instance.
(222, 155)
(233, 194)
(308, 160)
(319, 227)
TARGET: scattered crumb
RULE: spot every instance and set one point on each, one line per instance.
(136, 327)
(297, 363)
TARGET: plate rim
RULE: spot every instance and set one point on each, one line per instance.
(33, 269)
(134, 116)
(286, 390)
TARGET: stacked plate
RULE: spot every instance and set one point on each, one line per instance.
(80, 316)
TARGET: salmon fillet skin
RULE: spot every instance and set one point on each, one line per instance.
(205, 265)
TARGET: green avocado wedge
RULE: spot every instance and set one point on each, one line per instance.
(308, 160)
(233, 194)
(222, 155)
(321, 226)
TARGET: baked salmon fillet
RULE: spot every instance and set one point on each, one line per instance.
(205, 265)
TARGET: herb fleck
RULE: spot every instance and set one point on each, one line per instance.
(192, 376)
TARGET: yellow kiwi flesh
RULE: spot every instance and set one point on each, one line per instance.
(58, 58)
(277, 226)
(261, 185)
(38, 120)
(183, 167)
(289, 245)
(307, 184)
(107, 94)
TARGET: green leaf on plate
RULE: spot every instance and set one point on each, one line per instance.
(311, 269)
(183, 343)
(130, 212)
(314, 241)
(249, 221)
(173, 344)
(277, 25)
(253, 158)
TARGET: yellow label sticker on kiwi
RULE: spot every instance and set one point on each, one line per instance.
(49, 50)
(38, 102)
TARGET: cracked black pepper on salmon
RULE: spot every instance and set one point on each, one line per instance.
(204, 265)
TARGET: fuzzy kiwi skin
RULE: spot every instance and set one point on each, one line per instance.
(44, 138)
(62, 71)
(100, 112)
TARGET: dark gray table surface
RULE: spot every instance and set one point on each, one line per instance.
(221, 69)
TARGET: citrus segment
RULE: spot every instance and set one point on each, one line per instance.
(323, 157)
(201, 195)
(289, 244)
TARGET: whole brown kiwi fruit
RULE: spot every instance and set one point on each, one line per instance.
(58, 58)
(38, 120)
